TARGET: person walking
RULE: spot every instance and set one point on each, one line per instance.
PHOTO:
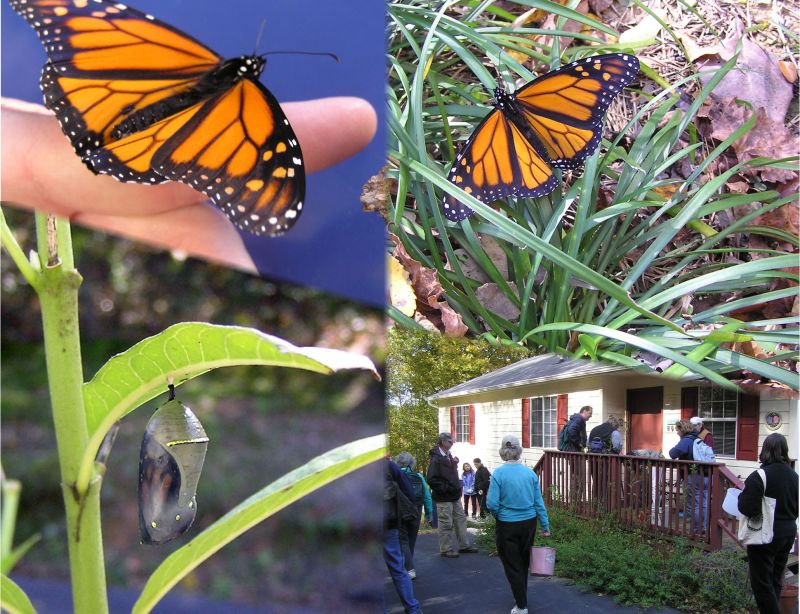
(422, 499)
(394, 483)
(468, 482)
(768, 561)
(515, 500)
(446, 492)
(482, 479)
(576, 430)
(702, 432)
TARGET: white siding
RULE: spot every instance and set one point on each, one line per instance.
(496, 416)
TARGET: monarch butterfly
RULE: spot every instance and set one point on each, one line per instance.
(146, 103)
(171, 459)
(556, 119)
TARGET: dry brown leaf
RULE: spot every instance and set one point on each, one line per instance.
(375, 193)
(495, 300)
(427, 290)
(757, 77)
(646, 30)
(767, 138)
(788, 70)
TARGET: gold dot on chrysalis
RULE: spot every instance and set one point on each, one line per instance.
(177, 516)
(153, 524)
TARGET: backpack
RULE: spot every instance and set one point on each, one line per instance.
(562, 438)
(702, 452)
(597, 446)
(419, 490)
(600, 438)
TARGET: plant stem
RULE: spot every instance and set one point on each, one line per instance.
(58, 295)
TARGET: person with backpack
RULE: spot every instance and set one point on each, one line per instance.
(422, 498)
(482, 480)
(605, 438)
(396, 486)
(573, 435)
(702, 432)
(691, 447)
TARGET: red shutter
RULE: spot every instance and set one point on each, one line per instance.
(747, 428)
(561, 411)
(453, 422)
(526, 423)
(689, 403)
(472, 424)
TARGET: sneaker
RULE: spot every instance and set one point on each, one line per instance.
(450, 554)
(468, 549)
(516, 610)
(412, 573)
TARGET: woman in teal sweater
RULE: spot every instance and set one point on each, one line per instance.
(515, 500)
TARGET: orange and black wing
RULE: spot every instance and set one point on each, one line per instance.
(497, 161)
(107, 61)
(238, 148)
(564, 109)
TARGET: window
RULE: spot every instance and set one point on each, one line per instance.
(462, 424)
(544, 422)
(718, 408)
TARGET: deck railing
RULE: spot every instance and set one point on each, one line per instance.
(661, 496)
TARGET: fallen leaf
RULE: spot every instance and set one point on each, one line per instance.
(427, 290)
(375, 193)
(495, 300)
(788, 70)
(401, 293)
(757, 77)
(646, 30)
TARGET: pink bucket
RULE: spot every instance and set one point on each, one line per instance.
(543, 561)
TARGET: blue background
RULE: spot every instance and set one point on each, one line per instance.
(334, 245)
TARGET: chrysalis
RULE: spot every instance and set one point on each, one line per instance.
(173, 450)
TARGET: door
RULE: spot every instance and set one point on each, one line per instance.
(644, 407)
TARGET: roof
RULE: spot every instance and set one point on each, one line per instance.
(543, 368)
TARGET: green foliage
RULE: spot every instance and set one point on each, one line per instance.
(654, 259)
(418, 365)
(637, 569)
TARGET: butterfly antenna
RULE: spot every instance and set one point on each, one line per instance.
(322, 53)
(260, 34)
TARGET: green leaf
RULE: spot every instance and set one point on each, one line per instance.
(13, 599)
(286, 490)
(12, 558)
(180, 353)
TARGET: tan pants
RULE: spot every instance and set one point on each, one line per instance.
(451, 521)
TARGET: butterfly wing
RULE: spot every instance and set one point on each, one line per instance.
(564, 109)
(238, 148)
(497, 161)
(107, 61)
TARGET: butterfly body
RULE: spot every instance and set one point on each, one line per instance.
(216, 81)
(146, 103)
(555, 121)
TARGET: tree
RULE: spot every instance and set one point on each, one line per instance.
(420, 364)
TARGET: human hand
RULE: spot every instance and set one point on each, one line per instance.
(545, 533)
(40, 171)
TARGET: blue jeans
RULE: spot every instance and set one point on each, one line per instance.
(698, 493)
(394, 561)
(408, 532)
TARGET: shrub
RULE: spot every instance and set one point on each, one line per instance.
(635, 568)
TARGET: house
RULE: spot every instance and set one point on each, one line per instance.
(533, 399)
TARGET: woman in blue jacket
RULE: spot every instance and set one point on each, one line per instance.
(515, 500)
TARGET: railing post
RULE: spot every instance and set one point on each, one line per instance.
(715, 507)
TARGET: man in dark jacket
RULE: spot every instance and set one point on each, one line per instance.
(576, 430)
(482, 479)
(446, 492)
